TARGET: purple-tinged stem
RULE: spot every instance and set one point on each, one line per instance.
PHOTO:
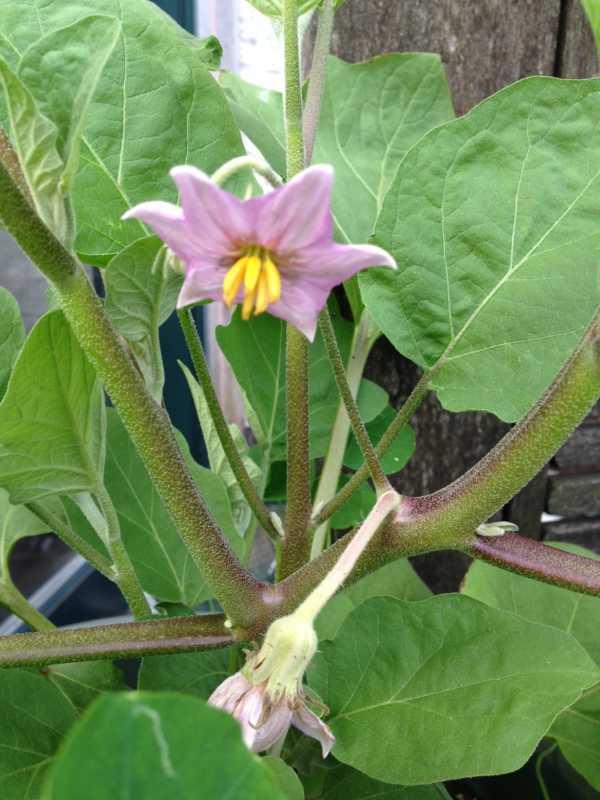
(125, 640)
(536, 560)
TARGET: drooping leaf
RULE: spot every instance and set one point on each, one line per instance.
(157, 746)
(198, 674)
(255, 350)
(35, 716)
(398, 453)
(141, 292)
(219, 463)
(12, 335)
(443, 688)
(401, 96)
(397, 579)
(285, 778)
(52, 420)
(576, 729)
(62, 70)
(490, 220)
(159, 556)
(156, 105)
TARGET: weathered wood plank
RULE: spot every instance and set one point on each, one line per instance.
(574, 495)
(582, 451)
(577, 51)
(484, 45)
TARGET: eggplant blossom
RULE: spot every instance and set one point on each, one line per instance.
(275, 252)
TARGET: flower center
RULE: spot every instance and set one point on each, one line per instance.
(256, 269)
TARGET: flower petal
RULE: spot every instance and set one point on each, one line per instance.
(311, 725)
(201, 284)
(225, 222)
(166, 220)
(228, 694)
(333, 263)
(298, 214)
(300, 304)
(271, 728)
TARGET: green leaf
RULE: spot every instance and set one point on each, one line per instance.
(156, 105)
(197, 674)
(12, 335)
(344, 783)
(141, 292)
(157, 746)
(160, 558)
(255, 350)
(356, 508)
(81, 683)
(52, 420)
(16, 522)
(219, 464)
(398, 453)
(397, 579)
(285, 778)
(577, 729)
(407, 96)
(494, 288)
(592, 9)
(444, 688)
(35, 716)
(62, 70)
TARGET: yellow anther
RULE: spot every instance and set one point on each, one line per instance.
(233, 280)
(253, 269)
(262, 295)
(273, 279)
(248, 304)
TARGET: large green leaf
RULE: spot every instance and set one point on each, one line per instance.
(160, 558)
(81, 683)
(577, 729)
(12, 334)
(219, 463)
(444, 688)
(156, 105)
(198, 674)
(397, 579)
(491, 221)
(16, 522)
(256, 351)
(157, 747)
(52, 421)
(141, 292)
(401, 96)
(398, 454)
(344, 783)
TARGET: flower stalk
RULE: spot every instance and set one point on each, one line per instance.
(231, 168)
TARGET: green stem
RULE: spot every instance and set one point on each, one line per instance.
(73, 540)
(362, 342)
(358, 427)
(125, 640)
(538, 769)
(294, 136)
(402, 418)
(449, 518)
(9, 158)
(295, 549)
(147, 424)
(318, 72)
(231, 168)
(12, 598)
(194, 345)
(125, 576)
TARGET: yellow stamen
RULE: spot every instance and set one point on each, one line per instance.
(273, 279)
(233, 280)
(262, 282)
(253, 271)
(262, 295)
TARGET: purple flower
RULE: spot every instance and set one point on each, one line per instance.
(264, 721)
(273, 252)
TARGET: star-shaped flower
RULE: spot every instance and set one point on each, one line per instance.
(272, 252)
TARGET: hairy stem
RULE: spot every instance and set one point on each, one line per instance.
(147, 423)
(362, 342)
(194, 345)
(73, 540)
(318, 71)
(295, 549)
(449, 518)
(358, 427)
(18, 604)
(402, 418)
(126, 640)
(125, 576)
